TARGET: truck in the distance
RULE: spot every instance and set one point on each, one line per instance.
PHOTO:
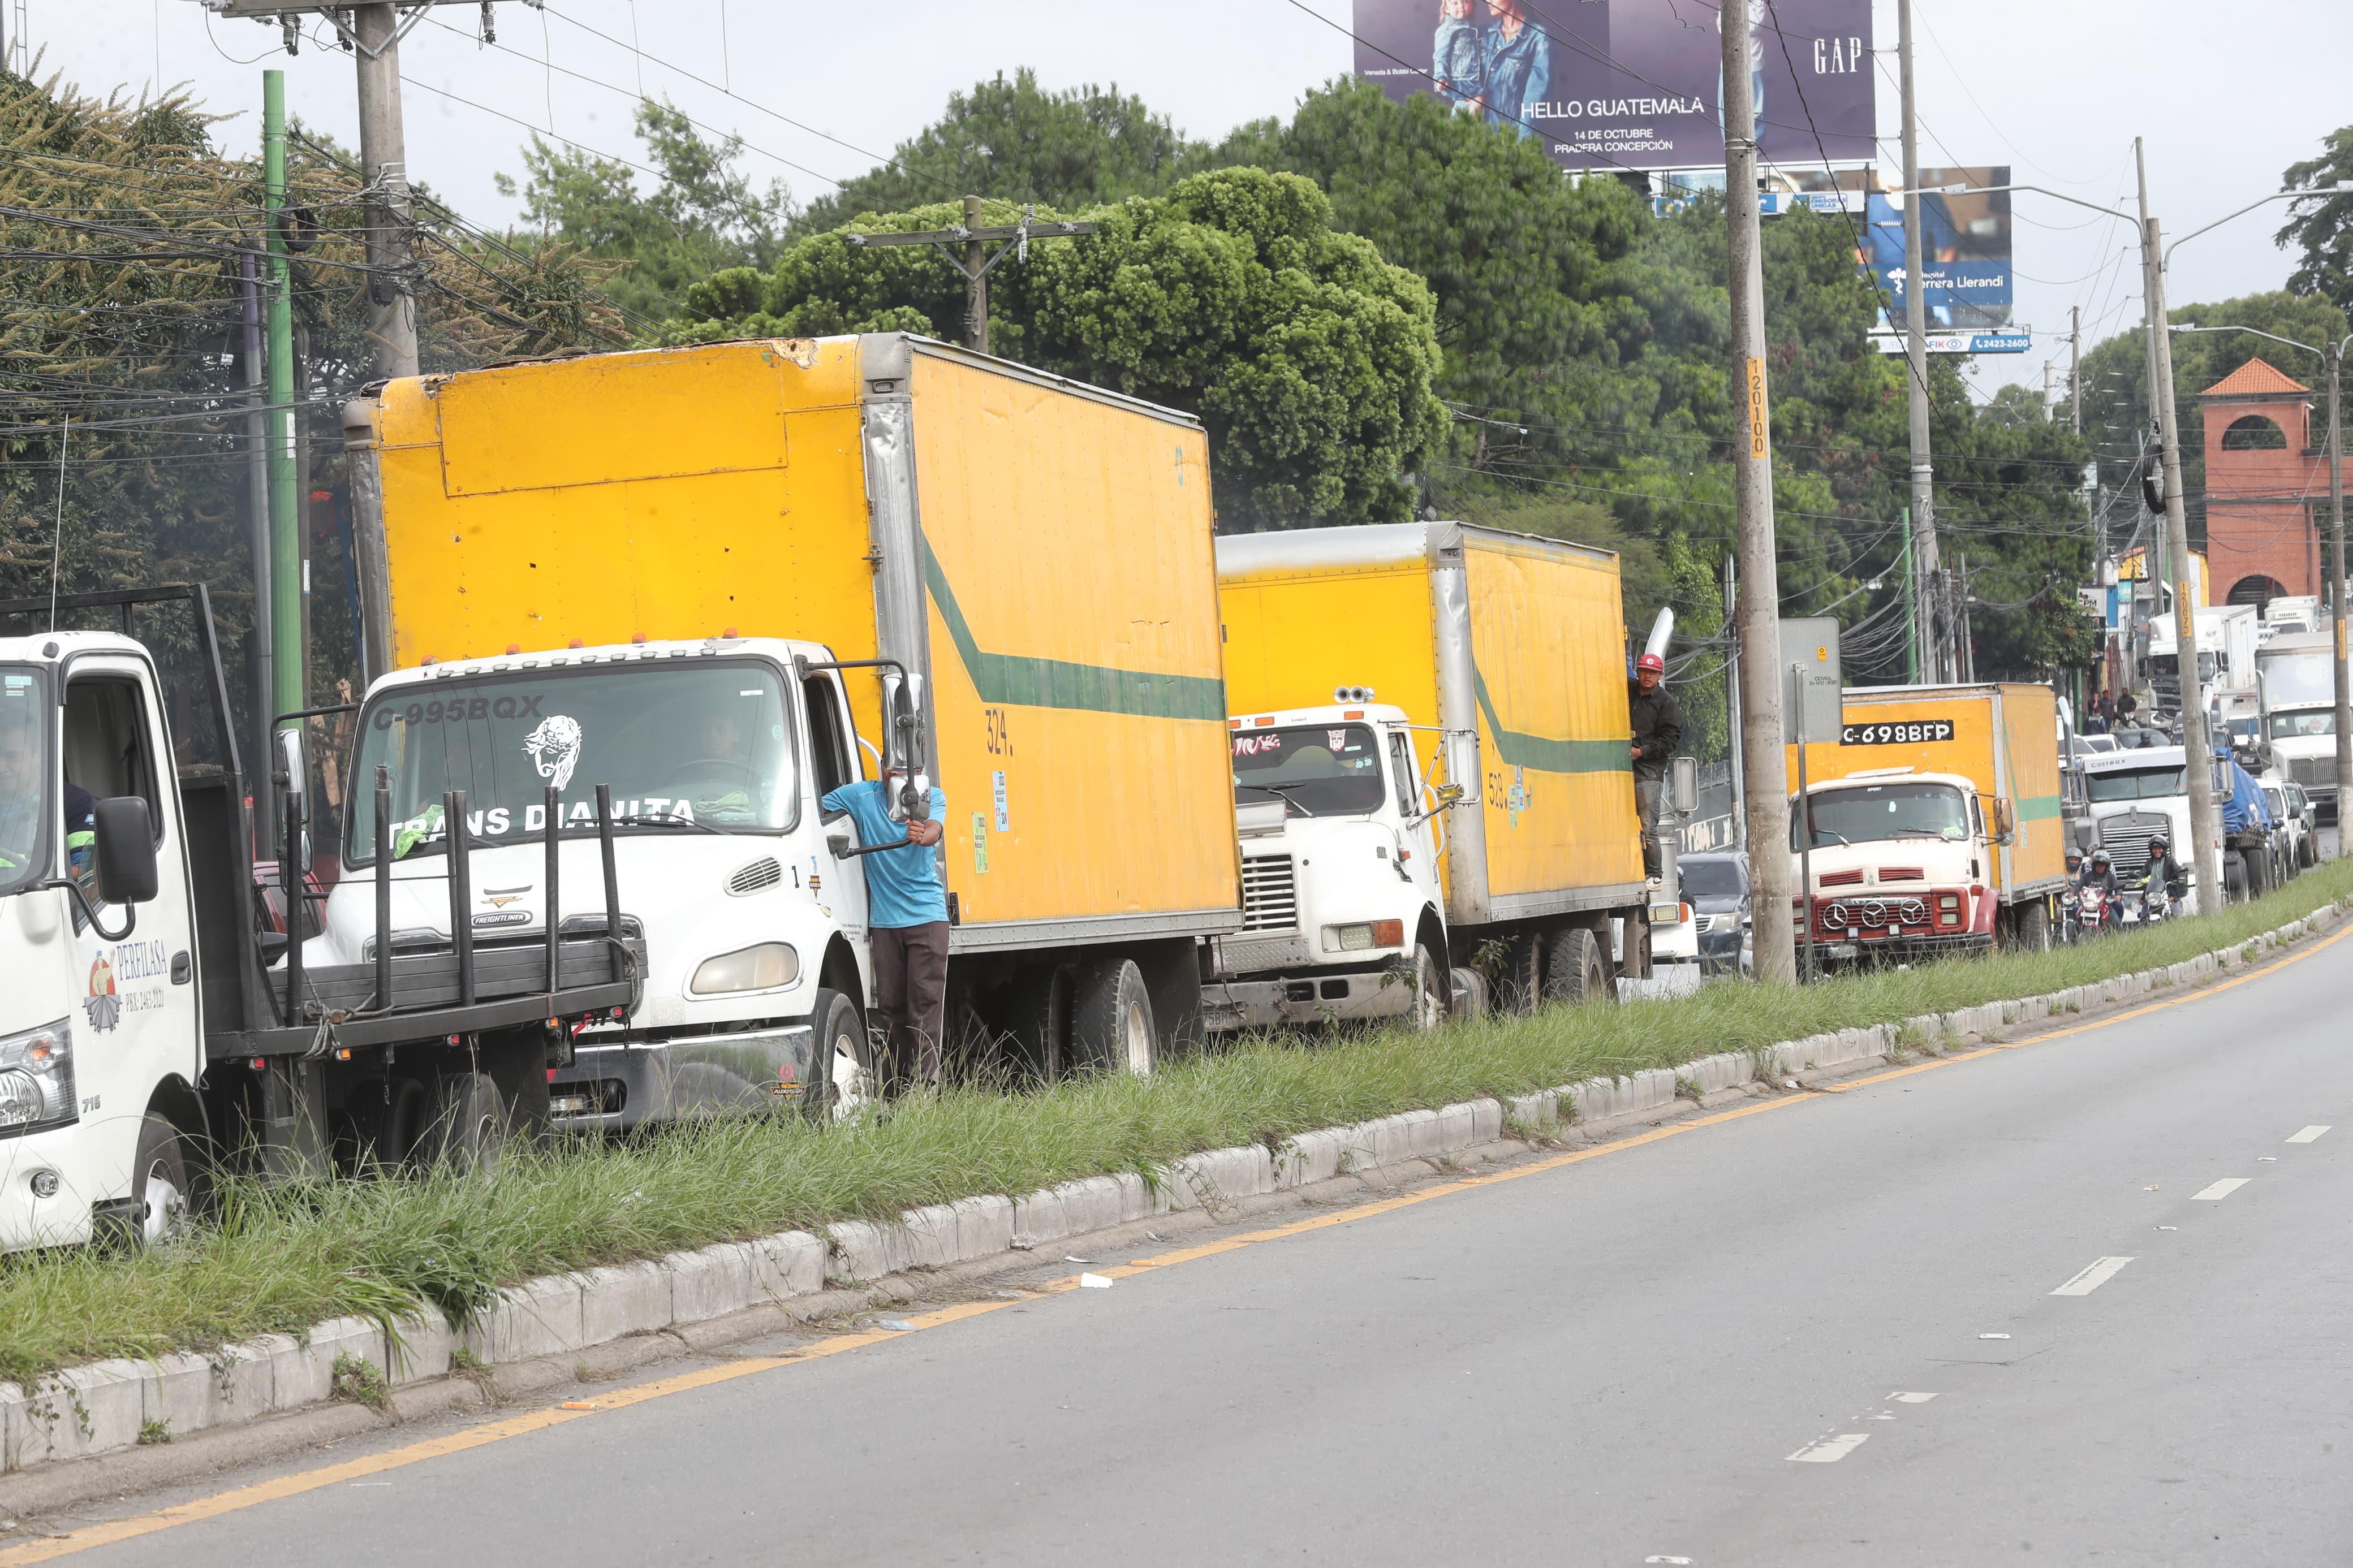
(1431, 765)
(726, 580)
(1935, 822)
(2297, 688)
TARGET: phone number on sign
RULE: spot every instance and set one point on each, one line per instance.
(1904, 734)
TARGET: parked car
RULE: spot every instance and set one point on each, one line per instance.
(1715, 890)
(2290, 833)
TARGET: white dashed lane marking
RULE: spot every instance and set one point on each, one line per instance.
(1901, 1398)
(2221, 1189)
(2096, 1273)
(2309, 1135)
(1830, 1450)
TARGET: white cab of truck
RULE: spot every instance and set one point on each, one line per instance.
(1903, 862)
(2136, 796)
(1340, 887)
(101, 1028)
(717, 753)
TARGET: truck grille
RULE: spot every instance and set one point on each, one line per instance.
(2314, 773)
(2126, 839)
(1270, 893)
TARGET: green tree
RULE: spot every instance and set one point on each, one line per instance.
(2322, 227)
(704, 217)
(1016, 143)
(1308, 358)
(122, 434)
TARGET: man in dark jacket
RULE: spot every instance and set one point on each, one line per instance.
(1658, 731)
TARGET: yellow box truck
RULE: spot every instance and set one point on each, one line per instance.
(1431, 752)
(724, 580)
(1935, 822)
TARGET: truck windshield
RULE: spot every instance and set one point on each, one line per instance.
(705, 743)
(1316, 770)
(1871, 812)
(26, 806)
(2287, 726)
(2136, 783)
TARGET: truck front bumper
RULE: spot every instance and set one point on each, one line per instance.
(611, 1087)
(1305, 999)
(1903, 949)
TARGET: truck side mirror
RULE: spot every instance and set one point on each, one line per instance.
(2005, 820)
(838, 845)
(296, 766)
(1684, 773)
(125, 851)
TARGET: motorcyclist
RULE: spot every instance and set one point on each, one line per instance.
(2099, 876)
(2166, 872)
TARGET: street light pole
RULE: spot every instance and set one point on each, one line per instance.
(2341, 676)
(1933, 628)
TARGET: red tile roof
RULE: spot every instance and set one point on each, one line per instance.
(2254, 378)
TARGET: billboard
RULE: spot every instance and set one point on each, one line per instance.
(1964, 249)
(1630, 84)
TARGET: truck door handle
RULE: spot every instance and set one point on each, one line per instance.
(182, 969)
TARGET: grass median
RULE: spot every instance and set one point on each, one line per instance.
(287, 1257)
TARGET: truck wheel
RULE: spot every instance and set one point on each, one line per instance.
(159, 1182)
(1471, 998)
(469, 1125)
(1523, 989)
(841, 1060)
(1428, 1010)
(2259, 875)
(1112, 1030)
(1042, 1006)
(2035, 928)
(1575, 969)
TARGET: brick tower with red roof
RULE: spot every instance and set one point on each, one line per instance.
(2261, 471)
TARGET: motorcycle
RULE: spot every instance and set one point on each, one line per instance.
(2086, 910)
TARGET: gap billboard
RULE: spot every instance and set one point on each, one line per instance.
(1631, 84)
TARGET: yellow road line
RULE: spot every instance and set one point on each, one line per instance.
(241, 1498)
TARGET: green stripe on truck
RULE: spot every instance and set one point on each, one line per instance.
(2035, 808)
(1023, 682)
(1549, 755)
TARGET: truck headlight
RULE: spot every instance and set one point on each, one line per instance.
(761, 968)
(37, 1081)
(1364, 937)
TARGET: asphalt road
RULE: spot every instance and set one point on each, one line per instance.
(1835, 1333)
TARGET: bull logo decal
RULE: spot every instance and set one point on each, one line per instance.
(554, 748)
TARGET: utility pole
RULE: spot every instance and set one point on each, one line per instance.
(2198, 752)
(2337, 593)
(258, 537)
(2075, 367)
(1911, 609)
(1766, 767)
(1732, 702)
(288, 660)
(1916, 349)
(375, 35)
(967, 249)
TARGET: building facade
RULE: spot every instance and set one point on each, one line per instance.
(2263, 470)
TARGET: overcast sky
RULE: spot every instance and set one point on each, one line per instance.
(2226, 96)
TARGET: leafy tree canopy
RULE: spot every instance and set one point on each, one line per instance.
(2322, 227)
(1013, 141)
(703, 215)
(1309, 358)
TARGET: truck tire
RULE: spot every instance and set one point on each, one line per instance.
(2259, 873)
(469, 1124)
(159, 1182)
(2033, 928)
(1428, 980)
(1042, 1006)
(1111, 1029)
(407, 1141)
(1576, 969)
(841, 1059)
(1472, 998)
(1521, 989)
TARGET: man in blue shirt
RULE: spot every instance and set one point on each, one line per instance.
(906, 920)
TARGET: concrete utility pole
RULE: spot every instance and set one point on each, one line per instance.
(1932, 664)
(1764, 764)
(2198, 752)
(967, 249)
(2075, 367)
(384, 164)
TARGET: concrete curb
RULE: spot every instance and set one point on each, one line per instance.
(110, 1406)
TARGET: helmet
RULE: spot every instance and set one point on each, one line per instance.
(2158, 842)
(2099, 856)
(1651, 661)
